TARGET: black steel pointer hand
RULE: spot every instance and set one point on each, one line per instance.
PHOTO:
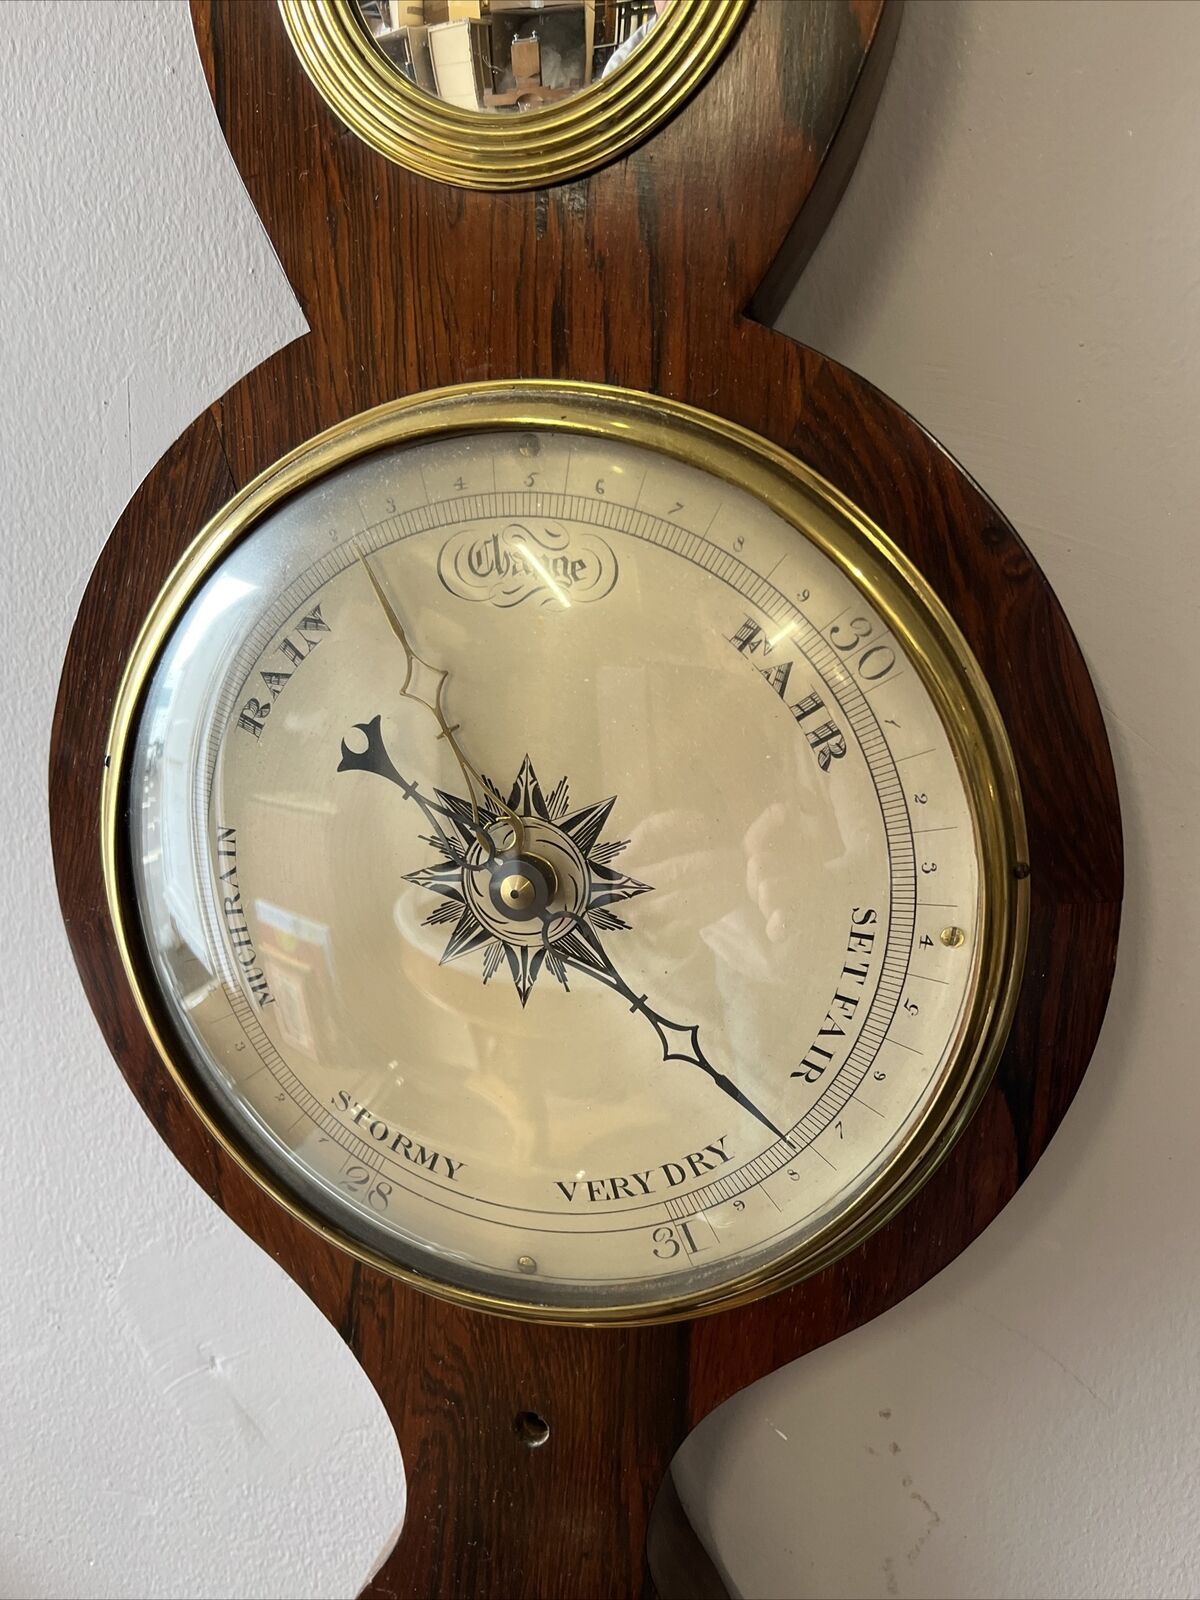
(679, 1041)
(376, 759)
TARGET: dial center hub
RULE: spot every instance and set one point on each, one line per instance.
(523, 886)
(517, 891)
(532, 898)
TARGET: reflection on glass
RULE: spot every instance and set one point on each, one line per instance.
(509, 55)
(471, 1053)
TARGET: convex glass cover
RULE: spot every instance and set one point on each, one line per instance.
(575, 859)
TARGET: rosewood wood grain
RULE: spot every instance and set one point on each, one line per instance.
(639, 275)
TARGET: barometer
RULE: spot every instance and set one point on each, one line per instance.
(571, 847)
(587, 832)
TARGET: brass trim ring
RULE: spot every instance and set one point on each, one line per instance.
(883, 574)
(483, 150)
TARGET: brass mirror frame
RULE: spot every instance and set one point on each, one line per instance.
(481, 150)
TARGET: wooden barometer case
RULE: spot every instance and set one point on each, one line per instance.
(586, 832)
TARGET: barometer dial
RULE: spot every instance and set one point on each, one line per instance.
(575, 860)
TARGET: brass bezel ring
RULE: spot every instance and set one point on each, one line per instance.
(483, 150)
(886, 577)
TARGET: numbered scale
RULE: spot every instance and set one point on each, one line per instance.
(565, 852)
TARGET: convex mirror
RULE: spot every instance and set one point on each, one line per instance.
(507, 94)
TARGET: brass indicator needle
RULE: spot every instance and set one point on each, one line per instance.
(419, 676)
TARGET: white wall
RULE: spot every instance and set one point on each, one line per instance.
(1018, 261)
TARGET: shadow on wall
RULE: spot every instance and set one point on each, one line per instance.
(870, 230)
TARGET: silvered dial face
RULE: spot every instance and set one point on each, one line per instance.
(556, 868)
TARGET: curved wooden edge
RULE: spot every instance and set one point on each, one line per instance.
(879, 25)
(680, 1562)
(596, 271)
(812, 70)
(487, 1515)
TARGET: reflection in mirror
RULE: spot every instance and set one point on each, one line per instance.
(509, 55)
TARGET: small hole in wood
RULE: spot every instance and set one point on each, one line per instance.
(531, 1429)
(1021, 870)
